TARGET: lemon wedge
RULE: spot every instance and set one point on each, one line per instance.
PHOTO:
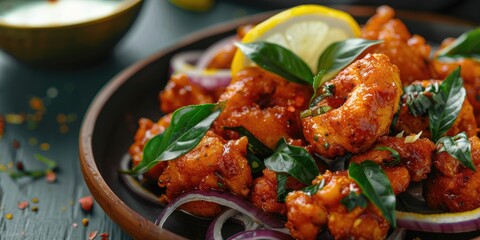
(305, 30)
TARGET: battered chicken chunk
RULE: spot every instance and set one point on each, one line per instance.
(265, 104)
(213, 164)
(452, 186)
(416, 157)
(365, 98)
(470, 72)
(180, 92)
(147, 129)
(308, 215)
(411, 124)
(409, 53)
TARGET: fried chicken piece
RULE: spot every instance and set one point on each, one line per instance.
(409, 53)
(416, 157)
(180, 92)
(366, 97)
(148, 129)
(470, 72)
(213, 164)
(308, 215)
(452, 186)
(265, 104)
(412, 125)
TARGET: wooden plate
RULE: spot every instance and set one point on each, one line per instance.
(111, 121)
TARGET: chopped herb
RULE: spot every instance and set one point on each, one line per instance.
(354, 199)
(312, 112)
(326, 145)
(458, 147)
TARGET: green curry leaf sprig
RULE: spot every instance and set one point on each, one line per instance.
(458, 147)
(466, 45)
(376, 186)
(187, 127)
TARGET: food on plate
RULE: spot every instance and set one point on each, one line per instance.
(317, 131)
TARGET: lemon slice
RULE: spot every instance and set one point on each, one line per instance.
(306, 30)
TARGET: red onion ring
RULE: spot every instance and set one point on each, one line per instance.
(260, 234)
(211, 51)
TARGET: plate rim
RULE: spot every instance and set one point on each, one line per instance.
(129, 220)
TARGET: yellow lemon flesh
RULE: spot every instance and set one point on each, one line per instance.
(305, 30)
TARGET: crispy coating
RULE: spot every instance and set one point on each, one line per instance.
(264, 192)
(308, 215)
(409, 53)
(213, 164)
(223, 58)
(412, 125)
(180, 92)
(147, 129)
(452, 186)
(265, 104)
(372, 89)
(470, 72)
(416, 157)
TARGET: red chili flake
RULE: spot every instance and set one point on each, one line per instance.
(15, 144)
(86, 203)
(22, 205)
(20, 166)
(105, 236)
(92, 235)
(85, 222)
(51, 176)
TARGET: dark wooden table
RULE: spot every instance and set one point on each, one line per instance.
(68, 93)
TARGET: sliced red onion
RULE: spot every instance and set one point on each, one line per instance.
(208, 79)
(215, 229)
(224, 199)
(211, 51)
(260, 234)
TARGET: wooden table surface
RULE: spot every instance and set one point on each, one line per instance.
(68, 93)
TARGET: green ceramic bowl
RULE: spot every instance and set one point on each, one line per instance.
(62, 32)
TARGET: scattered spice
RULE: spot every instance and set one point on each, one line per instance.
(20, 166)
(85, 221)
(32, 141)
(44, 146)
(9, 216)
(105, 236)
(34, 208)
(86, 203)
(15, 144)
(63, 128)
(13, 118)
(51, 176)
(92, 235)
(22, 205)
(74, 225)
(2, 125)
(3, 168)
(35, 200)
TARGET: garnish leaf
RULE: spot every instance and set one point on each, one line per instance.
(340, 54)
(394, 153)
(353, 200)
(255, 163)
(416, 99)
(187, 127)
(316, 84)
(279, 60)
(458, 147)
(375, 186)
(281, 187)
(296, 161)
(447, 104)
(312, 189)
(255, 145)
(466, 45)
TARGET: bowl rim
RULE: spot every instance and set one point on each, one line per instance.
(123, 6)
(103, 194)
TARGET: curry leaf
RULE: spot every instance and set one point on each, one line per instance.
(416, 99)
(296, 161)
(375, 186)
(458, 147)
(353, 200)
(279, 60)
(312, 189)
(340, 54)
(255, 145)
(316, 84)
(256, 164)
(187, 127)
(281, 187)
(466, 45)
(394, 153)
(447, 105)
